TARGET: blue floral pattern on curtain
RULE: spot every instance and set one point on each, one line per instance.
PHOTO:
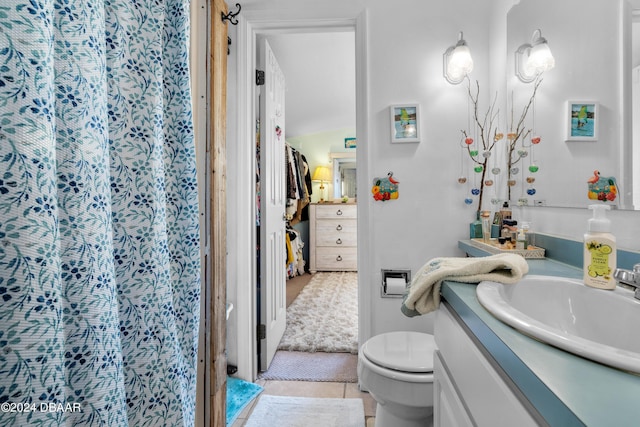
(99, 238)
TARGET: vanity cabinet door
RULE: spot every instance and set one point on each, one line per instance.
(481, 388)
(448, 408)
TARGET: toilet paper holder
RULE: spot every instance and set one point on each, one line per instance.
(394, 283)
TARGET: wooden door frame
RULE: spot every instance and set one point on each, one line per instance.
(244, 173)
(216, 265)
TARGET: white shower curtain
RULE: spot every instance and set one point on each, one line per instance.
(99, 239)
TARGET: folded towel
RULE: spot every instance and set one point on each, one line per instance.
(423, 295)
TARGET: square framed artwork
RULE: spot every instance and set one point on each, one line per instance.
(350, 143)
(582, 121)
(405, 123)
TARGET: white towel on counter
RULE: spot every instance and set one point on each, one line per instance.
(423, 295)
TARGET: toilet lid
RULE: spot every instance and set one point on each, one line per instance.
(402, 351)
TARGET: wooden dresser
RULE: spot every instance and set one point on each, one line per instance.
(333, 237)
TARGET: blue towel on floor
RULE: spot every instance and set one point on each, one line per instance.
(239, 394)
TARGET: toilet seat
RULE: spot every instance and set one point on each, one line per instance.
(401, 351)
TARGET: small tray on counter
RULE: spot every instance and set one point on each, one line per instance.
(495, 247)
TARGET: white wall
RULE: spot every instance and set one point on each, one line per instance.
(580, 73)
(320, 80)
(566, 166)
(429, 217)
(406, 40)
(635, 83)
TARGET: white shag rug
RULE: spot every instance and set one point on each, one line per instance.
(324, 316)
(286, 411)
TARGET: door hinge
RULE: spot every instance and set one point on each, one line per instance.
(262, 332)
(259, 77)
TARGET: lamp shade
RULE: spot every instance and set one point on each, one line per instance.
(540, 59)
(533, 59)
(322, 173)
(457, 61)
(460, 62)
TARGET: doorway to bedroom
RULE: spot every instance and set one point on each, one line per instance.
(321, 268)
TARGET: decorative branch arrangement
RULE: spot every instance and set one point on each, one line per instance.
(520, 134)
(486, 131)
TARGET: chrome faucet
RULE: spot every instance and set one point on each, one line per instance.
(629, 278)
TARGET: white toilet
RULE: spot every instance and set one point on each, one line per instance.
(396, 368)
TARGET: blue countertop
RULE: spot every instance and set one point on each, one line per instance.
(565, 389)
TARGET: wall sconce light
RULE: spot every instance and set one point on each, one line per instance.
(533, 58)
(457, 62)
(322, 174)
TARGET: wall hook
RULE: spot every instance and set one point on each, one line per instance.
(231, 16)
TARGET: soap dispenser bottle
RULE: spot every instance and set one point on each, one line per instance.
(599, 250)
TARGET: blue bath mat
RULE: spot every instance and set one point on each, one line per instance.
(239, 394)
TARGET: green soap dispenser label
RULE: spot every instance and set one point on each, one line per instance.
(599, 266)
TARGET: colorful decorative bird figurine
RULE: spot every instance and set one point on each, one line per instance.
(603, 188)
(384, 188)
(595, 177)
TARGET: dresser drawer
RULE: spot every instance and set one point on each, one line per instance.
(336, 258)
(336, 232)
(336, 211)
(333, 237)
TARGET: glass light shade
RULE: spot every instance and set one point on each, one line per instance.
(540, 59)
(460, 62)
(533, 59)
(457, 62)
(322, 173)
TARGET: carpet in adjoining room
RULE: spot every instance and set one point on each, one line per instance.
(324, 316)
(318, 366)
(285, 411)
(239, 394)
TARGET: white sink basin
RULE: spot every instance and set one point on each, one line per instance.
(600, 325)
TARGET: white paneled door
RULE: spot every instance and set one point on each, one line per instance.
(273, 308)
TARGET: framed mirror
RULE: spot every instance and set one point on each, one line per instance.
(592, 43)
(344, 175)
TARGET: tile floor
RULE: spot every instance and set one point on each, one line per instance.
(312, 389)
(307, 388)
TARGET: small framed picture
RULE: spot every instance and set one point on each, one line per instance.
(582, 121)
(350, 143)
(405, 123)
